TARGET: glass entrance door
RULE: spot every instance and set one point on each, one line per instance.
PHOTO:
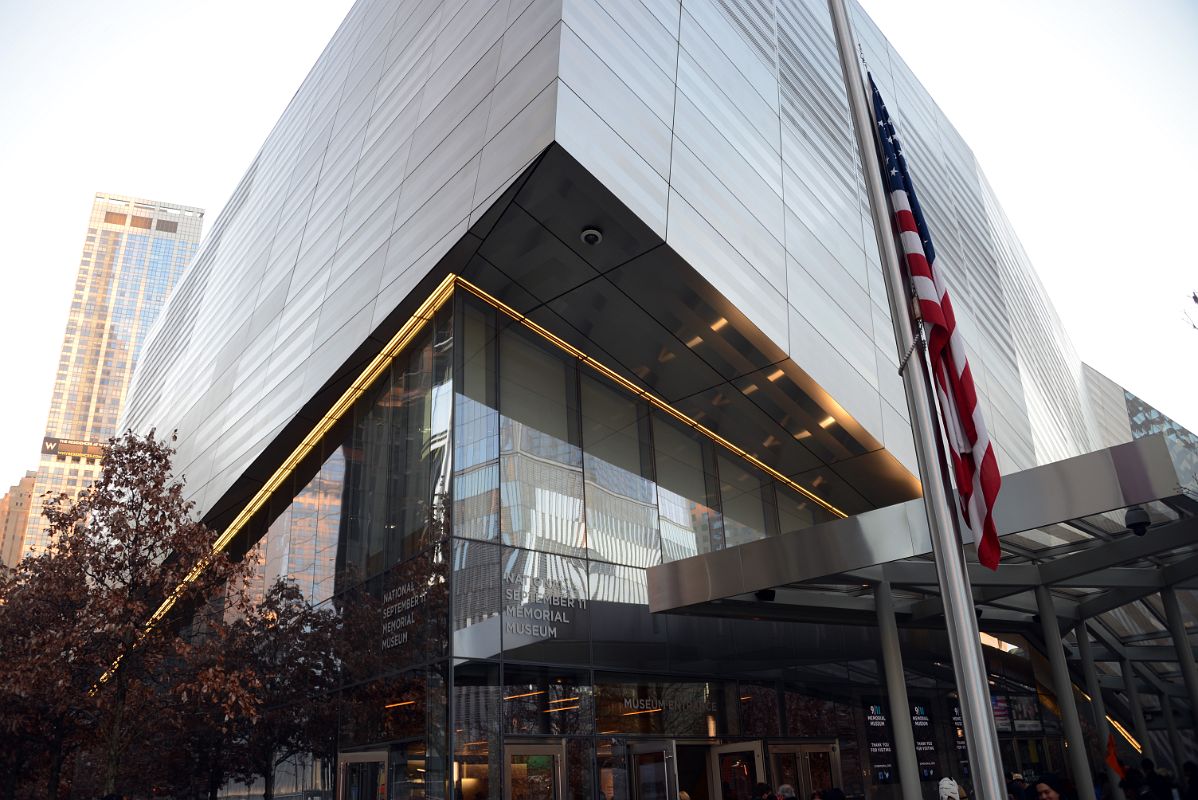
(809, 767)
(534, 772)
(654, 774)
(822, 766)
(362, 776)
(735, 769)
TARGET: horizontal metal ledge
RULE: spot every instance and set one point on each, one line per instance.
(1117, 477)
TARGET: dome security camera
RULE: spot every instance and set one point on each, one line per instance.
(591, 236)
(1137, 520)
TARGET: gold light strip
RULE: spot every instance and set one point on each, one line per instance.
(559, 708)
(404, 703)
(526, 694)
(376, 367)
(564, 700)
(646, 711)
(364, 381)
(653, 400)
(1125, 734)
(344, 404)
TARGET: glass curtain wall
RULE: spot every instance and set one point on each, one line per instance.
(566, 488)
(363, 530)
(482, 522)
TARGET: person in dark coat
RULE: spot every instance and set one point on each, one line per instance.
(1051, 787)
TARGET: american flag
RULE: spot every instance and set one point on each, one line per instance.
(974, 466)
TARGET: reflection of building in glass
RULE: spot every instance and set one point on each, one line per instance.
(301, 544)
(492, 429)
(1183, 444)
(133, 253)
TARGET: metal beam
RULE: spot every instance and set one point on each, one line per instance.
(1154, 581)
(1130, 548)
(923, 573)
(1155, 652)
(1109, 601)
(1135, 472)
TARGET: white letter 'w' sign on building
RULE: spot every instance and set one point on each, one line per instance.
(974, 467)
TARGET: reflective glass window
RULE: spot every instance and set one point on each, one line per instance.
(476, 425)
(621, 497)
(476, 599)
(623, 632)
(687, 497)
(545, 607)
(540, 460)
(547, 701)
(478, 768)
(747, 502)
(796, 512)
(397, 463)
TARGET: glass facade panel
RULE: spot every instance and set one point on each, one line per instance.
(505, 616)
(623, 632)
(547, 701)
(621, 497)
(476, 599)
(545, 607)
(476, 426)
(397, 469)
(539, 454)
(747, 501)
(626, 704)
(477, 732)
(796, 512)
(687, 494)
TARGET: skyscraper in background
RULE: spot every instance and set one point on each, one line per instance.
(133, 253)
(14, 516)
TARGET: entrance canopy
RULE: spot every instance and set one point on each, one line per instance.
(1063, 525)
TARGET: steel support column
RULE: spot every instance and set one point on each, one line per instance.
(896, 691)
(1097, 706)
(1063, 687)
(1137, 710)
(1179, 751)
(1181, 643)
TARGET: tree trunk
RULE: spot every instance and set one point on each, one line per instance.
(56, 757)
(268, 782)
(8, 785)
(112, 761)
(214, 773)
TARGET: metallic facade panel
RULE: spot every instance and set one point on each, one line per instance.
(625, 36)
(635, 121)
(586, 136)
(720, 125)
(369, 178)
(729, 270)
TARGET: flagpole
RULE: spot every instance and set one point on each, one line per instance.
(969, 666)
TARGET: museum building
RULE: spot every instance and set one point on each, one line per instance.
(547, 344)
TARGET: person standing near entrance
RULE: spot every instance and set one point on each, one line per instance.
(762, 791)
(948, 789)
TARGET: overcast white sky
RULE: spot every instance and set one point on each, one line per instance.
(1080, 113)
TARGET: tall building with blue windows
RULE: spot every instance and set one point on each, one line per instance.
(546, 342)
(133, 253)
